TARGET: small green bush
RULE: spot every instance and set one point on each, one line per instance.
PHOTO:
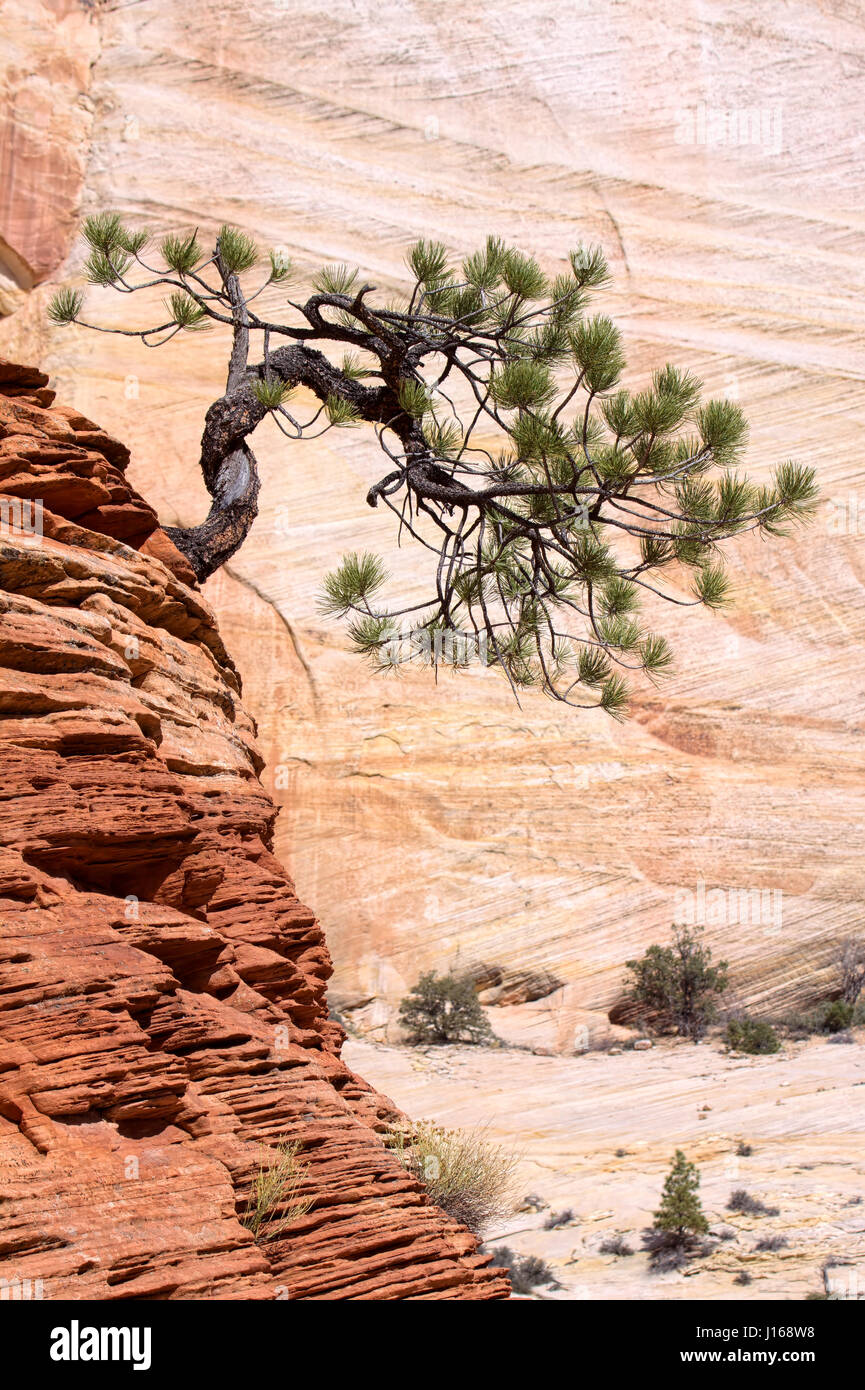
(832, 1016)
(837, 1016)
(444, 1009)
(752, 1035)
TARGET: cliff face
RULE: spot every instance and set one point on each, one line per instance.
(437, 825)
(162, 989)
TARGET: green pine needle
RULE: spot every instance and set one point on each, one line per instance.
(65, 306)
(185, 312)
(352, 583)
(341, 412)
(597, 347)
(656, 655)
(614, 698)
(712, 586)
(181, 253)
(427, 260)
(237, 251)
(522, 385)
(589, 265)
(271, 392)
(281, 267)
(723, 429)
(593, 666)
(335, 279)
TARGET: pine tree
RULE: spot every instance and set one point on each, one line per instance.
(551, 498)
(680, 1214)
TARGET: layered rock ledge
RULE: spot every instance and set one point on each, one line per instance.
(162, 990)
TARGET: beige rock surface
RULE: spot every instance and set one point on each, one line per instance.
(439, 825)
(801, 1111)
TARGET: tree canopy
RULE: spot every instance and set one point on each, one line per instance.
(550, 500)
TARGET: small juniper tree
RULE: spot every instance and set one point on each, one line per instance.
(680, 1215)
(444, 1009)
(550, 499)
(677, 984)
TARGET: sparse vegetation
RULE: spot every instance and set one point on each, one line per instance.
(772, 1243)
(742, 1201)
(752, 1035)
(615, 1245)
(527, 1272)
(743, 1150)
(676, 986)
(558, 1218)
(463, 1173)
(743, 1278)
(274, 1200)
(832, 1016)
(444, 1009)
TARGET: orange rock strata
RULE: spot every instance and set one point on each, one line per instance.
(162, 991)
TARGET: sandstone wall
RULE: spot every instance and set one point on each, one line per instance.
(163, 1021)
(712, 150)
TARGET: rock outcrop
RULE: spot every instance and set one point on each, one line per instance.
(162, 990)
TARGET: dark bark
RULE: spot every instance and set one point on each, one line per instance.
(228, 464)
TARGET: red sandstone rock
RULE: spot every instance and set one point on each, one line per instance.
(162, 990)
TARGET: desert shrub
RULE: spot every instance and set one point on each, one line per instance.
(744, 1150)
(841, 1038)
(837, 1016)
(621, 1153)
(274, 1200)
(742, 1278)
(752, 1035)
(743, 1202)
(444, 1009)
(526, 1271)
(615, 1245)
(558, 1218)
(772, 1243)
(677, 985)
(832, 1016)
(463, 1173)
